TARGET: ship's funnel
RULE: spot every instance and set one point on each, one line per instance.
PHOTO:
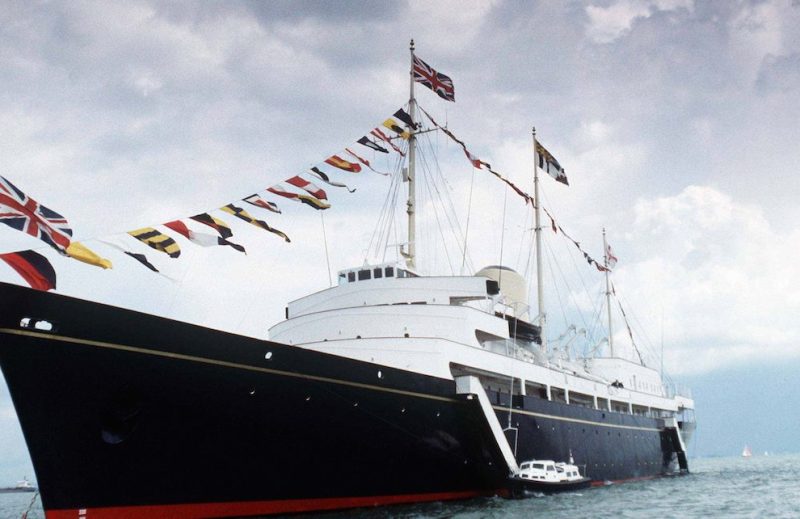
(513, 288)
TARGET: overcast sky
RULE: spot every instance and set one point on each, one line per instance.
(677, 123)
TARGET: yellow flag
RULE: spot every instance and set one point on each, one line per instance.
(79, 252)
(396, 128)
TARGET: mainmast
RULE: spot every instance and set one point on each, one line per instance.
(538, 232)
(608, 295)
(411, 256)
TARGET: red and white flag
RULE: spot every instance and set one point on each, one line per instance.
(201, 238)
(307, 186)
(611, 259)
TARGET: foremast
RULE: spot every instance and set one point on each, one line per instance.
(411, 254)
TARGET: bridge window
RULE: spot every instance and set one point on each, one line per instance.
(389, 272)
(364, 274)
(377, 273)
(351, 276)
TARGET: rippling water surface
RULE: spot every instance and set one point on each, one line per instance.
(765, 486)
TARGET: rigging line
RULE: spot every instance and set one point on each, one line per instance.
(599, 313)
(448, 207)
(466, 230)
(550, 260)
(387, 215)
(377, 228)
(525, 230)
(599, 303)
(503, 233)
(570, 291)
(630, 332)
(570, 253)
(648, 343)
(427, 183)
(452, 216)
(642, 329)
(648, 346)
(529, 227)
(325, 241)
(387, 220)
(391, 229)
(391, 225)
(569, 246)
(570, 249)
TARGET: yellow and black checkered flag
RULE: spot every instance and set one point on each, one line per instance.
(240, 213)
(157, 240)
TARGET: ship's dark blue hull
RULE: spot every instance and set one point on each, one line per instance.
(127, 415)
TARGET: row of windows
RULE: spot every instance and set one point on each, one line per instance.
(375, 273)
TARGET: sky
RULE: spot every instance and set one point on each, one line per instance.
(676, 121)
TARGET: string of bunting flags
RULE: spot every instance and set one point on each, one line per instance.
(22, 213)
(476, 162)
(545, 161)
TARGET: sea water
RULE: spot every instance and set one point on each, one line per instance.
(761, 486)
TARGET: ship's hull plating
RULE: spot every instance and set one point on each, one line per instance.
(128, 415)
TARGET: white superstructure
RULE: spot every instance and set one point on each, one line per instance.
(460, 325)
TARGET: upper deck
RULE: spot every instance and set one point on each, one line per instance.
(388, 284)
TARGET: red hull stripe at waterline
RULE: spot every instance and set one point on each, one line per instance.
(252, 508)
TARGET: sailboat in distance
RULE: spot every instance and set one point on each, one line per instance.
(390, 387)
(746, 452)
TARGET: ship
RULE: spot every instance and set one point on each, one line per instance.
(389, 387)
(22, 485)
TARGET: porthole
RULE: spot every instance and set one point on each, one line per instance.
(268, 355)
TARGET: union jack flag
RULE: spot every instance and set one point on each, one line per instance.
(20, 212)
(436, 81)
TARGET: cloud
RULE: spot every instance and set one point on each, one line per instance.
(780, 73)
(720, 274)
(608, 23)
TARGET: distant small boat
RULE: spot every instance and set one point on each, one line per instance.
(746, 452)
(22, 486)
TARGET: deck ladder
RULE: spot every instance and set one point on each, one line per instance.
(471, 385)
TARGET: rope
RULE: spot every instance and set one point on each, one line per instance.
(30, 506)
(325, 241)
(466, 230)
